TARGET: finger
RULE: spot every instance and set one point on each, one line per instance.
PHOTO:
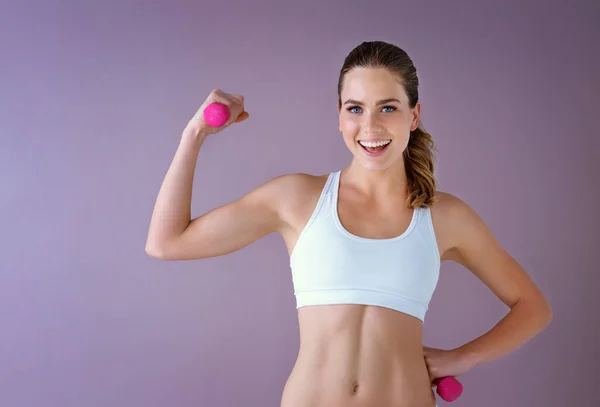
(243, 116)
(218, 91)
(217, 95)
(220, 99)
(237, 97)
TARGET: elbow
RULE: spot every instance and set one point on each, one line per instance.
(544, 311)
(156, 251)
(546, 318)
(164, 251)
(548, 314)
(538, 309)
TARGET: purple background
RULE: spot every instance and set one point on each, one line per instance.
(93, 99)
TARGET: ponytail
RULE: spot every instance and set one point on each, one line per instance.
(418, 164)
(418, 155)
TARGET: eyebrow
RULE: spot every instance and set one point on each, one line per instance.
(381, 102)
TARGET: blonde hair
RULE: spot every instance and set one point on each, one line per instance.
(418, 156)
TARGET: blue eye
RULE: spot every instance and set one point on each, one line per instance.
(351, 109)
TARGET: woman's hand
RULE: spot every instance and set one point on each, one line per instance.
(235, 103)
(441, 363)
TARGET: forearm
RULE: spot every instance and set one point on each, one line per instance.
(525, 320)
(172, 210)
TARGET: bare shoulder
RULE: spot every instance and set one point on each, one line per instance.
(285, 186)
(298, 191)
(448, 204)
(298, 183)
(297, 196)
(454, 220)
(288, 192)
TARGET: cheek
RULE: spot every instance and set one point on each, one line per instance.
(349, 125)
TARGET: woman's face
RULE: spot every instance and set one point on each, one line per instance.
(375, 118)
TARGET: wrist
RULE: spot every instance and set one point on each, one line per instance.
(194, 135)
(467, 357)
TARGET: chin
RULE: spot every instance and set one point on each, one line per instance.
(375, 166)
(378, 163)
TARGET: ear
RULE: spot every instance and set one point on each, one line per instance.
(416, 116)
(339, 109)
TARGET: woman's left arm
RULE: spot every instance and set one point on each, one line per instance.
(474, 247)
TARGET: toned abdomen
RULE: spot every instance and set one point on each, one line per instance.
(358, 356)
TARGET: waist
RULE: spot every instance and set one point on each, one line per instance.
(358, 382)
(355, 356)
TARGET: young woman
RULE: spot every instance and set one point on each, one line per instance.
(365, 245)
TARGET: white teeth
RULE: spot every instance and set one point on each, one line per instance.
(375, 143)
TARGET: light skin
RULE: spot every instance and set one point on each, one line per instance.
(274, 207)
(376, 107)
(467, 239)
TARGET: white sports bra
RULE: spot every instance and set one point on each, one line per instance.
(330, 265)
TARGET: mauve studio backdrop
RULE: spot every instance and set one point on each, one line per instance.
(93, 99)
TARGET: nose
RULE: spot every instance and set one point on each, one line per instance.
(371, 124)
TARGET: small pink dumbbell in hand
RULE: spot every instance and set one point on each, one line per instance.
(449, 388)
(216, 114)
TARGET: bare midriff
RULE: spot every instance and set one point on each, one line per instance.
(358, 356)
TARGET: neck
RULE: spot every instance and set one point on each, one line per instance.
(391, 180)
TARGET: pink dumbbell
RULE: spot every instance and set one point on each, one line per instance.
(449, 388)
(216, 114)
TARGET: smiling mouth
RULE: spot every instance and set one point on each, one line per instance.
(374, 149)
